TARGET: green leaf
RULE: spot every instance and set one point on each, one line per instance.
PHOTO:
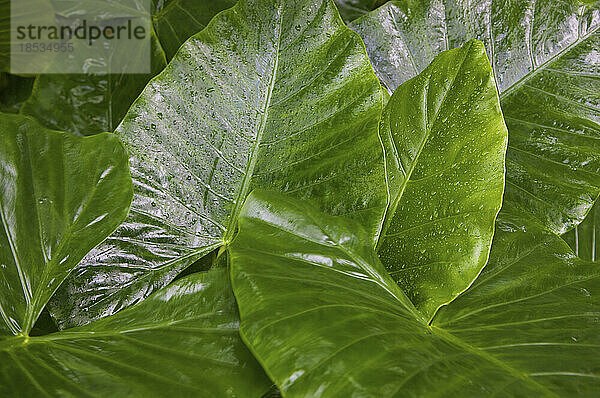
(181, 341)
(584, 239)
(176, 20)
(544, 57)
(91, 104)
(87, 104)
(268, 95)
(445, 141)
(325, 320)
(60, 195)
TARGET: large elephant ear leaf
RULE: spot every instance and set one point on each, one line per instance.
(324, 319)
(545, 59)
(268, 95)
(445, 141)
(182, 341)
(60, 195)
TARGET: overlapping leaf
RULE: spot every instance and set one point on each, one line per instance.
(87, 104)
(445, 142)
(93, 102)
(176, 20)
(545, 58)
(60, 195)
(181, 341)
(268, 95)
(325, 320)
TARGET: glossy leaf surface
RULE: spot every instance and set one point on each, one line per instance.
(445, 142)
(182, 341)
(545, 58)
(60, 196)
(268, 95)
(92, 104)
(325, 320)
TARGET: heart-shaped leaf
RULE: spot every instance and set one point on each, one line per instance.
(181, 341)
(270, 94)
(325, 320)
(60, 195)
(544, 57)
(445, 142)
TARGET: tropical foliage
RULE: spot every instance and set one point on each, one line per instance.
(310, 199)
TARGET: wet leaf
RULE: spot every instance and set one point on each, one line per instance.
(324, 318)
(268, 95)
(544, 55)
(87, 104)
(445, 141)
(352, 9)
(183, 341)
(60, 195)
(92, 104)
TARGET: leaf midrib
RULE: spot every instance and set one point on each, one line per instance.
(18, 341)
(243, 192)
(391, 210)
(547, 63)
(19, 270)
